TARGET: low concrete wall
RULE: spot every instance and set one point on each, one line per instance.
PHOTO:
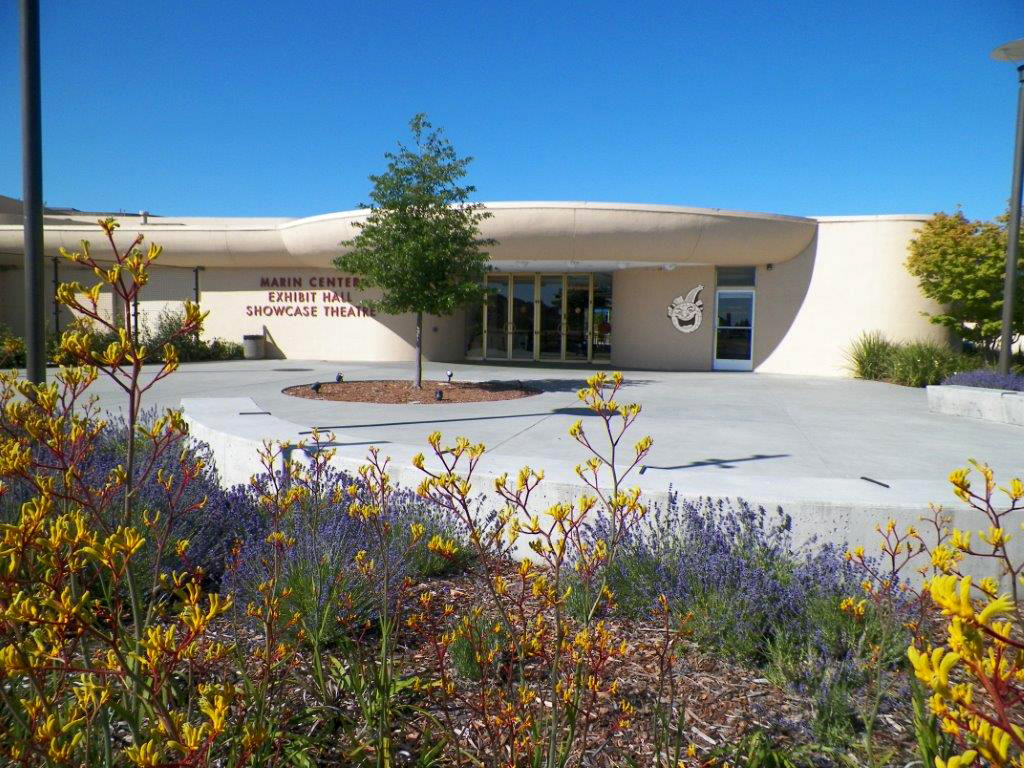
(977, 403)
(843, 511)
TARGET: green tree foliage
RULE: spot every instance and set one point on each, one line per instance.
(962, 265)
(421, 244)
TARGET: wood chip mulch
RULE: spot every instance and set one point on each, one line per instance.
(403, 391)
(720, 700)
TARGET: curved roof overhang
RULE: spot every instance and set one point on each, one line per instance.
(531, 236)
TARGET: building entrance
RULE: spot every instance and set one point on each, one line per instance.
(542, 317)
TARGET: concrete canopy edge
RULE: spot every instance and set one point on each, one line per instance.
(609, 234)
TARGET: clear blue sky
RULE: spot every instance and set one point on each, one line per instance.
(283, 108)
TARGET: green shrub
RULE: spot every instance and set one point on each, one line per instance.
(919, 363)
(12, 349)
(190, 347)
(911, 363)
(870, 355)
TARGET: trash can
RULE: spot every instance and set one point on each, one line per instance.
(254, 346)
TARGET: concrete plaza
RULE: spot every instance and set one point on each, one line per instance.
(716, 429)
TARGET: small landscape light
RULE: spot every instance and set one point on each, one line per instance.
(439, 395)
(340, 377)
(449, 375)
(316, 387)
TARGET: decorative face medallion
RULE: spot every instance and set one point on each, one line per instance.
(686, 313)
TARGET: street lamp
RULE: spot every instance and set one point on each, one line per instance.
(32, 193)
(1012, 51)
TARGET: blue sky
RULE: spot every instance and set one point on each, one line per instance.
(284, 108)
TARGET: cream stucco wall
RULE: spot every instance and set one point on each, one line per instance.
(642, 333)
(326, 322)
(12, 295)
(329, 330)
(808, 310)
(853, 280)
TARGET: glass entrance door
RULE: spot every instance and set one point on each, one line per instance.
(577, 317)
(601, 318)
(542, 317)
(497, 318)
(552, 300)
(734, 330)
(521, 343)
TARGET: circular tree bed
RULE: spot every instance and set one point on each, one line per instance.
(404, 391)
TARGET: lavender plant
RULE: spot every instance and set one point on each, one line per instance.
(1014, 382)
(209, 534)
(327, 538)
(756, 598)
(734, 566)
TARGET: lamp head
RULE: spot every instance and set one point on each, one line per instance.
(1011, 51)
(340, 377)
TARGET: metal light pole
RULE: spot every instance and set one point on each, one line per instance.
(1013, 51)
(32, 196)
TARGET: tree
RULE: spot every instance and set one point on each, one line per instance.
(961, 264)
(420, 244)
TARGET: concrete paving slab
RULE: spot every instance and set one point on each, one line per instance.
(839, 455)
(720, 425)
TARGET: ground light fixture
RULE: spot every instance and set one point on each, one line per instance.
(449, 375)
(439, 395)
(1013, 52)
(316, 387)
(340, 377)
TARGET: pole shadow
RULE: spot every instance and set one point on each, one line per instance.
(720, 463)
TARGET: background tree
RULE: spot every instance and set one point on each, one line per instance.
(420, 244)
(961, 264)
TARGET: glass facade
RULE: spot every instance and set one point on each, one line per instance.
(543, 317)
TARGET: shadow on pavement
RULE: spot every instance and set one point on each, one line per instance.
(720, 463)
(581, 412)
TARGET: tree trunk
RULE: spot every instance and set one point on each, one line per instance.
(419, 350)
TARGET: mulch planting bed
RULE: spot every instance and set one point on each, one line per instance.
(404, 391)
(722, 700)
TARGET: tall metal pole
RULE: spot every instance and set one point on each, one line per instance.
(1013, 234)
(32, 173)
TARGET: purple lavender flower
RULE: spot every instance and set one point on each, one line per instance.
(1014, 382)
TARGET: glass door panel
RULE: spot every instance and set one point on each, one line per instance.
(497, 317)
(577, 312)
(475, 330)
(601, 322)
(734, 330)
(522, 318)
(552, 291)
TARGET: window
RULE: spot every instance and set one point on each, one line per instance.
(732, 277)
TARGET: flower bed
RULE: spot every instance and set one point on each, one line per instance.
(405, 391)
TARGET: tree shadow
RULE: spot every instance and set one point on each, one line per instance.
(552, 385)
(579, 412)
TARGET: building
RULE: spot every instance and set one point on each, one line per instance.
(619, 285)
